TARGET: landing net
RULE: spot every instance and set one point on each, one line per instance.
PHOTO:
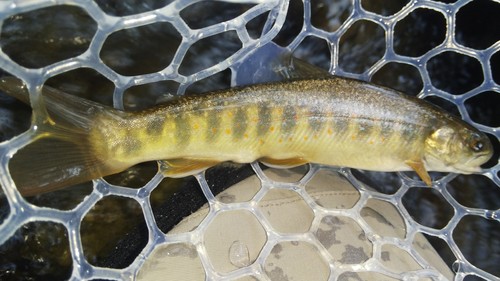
(135, 53)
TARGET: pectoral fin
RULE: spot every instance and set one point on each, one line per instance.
(178, 168)
(282, 163)
(419, 168)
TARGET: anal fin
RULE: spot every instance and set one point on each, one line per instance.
(419, 168)
(283, 163)
(183, 167)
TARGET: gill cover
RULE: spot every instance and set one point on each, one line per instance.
(439, 144)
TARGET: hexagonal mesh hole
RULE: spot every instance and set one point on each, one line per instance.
(328, 17)
(384, 219)
(419, 32)
(332, 191)
(465, 73)
(480, 33)
(141, 50)
(123, 215)
(286, 211)
(363, 36)
(245, 232)
(475, 192)
(171, 195)
(46, 243)
(489, 104)
(287, 260)
(315, 51)
(344, 239)
(38, 45)
(429, 201)
(486, 251)
(228, 43)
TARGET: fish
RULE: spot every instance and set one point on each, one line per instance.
(330, 121)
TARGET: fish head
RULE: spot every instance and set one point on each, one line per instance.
(458, 148)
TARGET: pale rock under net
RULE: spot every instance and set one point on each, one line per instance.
(376, 208)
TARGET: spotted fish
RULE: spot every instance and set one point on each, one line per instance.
(331, 121)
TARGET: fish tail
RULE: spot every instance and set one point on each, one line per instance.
(61, 153)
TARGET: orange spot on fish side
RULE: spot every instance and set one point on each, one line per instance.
(196, 126)
(371, 142)
(290, 139)
(353, 137)
(214, 130)
(271, 129)
(245, 136)
(228, 131)
(330, 131)
(306, 137)
(280, 140)
(261, 141)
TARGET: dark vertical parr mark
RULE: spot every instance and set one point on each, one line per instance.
(408, 132)
(364, 128)
(288, 119)
(239, 124)
(213, 128)
(386, 129)
(155, 125)
(182, 130)
(315, 119)
(264, 120)
(340, 124)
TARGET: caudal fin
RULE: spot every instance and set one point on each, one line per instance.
(61, 154)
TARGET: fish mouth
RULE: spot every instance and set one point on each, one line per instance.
(473, 165)
(481, 158)
(469, 170)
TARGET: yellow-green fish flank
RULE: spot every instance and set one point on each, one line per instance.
(332, 121)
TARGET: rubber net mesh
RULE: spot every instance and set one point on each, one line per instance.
(143, 50)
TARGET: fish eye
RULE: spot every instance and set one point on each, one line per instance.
(477, 145)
